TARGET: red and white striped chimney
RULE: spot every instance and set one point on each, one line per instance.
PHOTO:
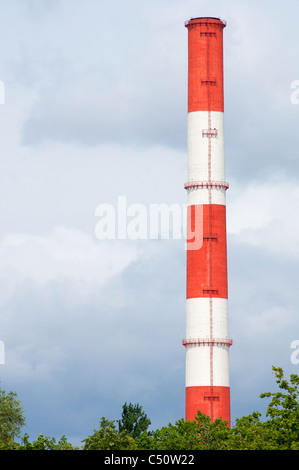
(207, 343)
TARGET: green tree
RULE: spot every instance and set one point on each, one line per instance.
(108, 438)
(11, 419)
(212, 435)
(45, 443)
(283, 410)
(281, 430)
(200, 434)
(250, 433)
(133, 420)
(181, 435)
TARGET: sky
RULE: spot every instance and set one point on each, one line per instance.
(95, 113)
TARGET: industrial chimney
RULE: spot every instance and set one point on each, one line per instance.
(207, 342)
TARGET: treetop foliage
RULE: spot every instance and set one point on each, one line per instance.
(279, 430)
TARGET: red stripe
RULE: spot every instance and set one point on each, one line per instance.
(207, 266)
(205, 65)
(212, 401)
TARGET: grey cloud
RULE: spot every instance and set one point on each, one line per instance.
(122, 351)
(87, 110)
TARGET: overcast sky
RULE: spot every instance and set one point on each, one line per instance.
(96, 108)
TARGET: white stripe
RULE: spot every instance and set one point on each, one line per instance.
(198, 366)
(201, 314)
(198, 316)
(201, 196)
(198, 168)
